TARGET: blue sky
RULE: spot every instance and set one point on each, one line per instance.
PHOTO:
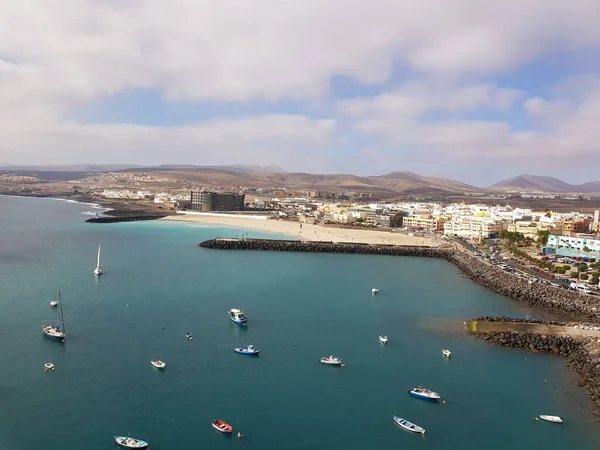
(354, 86)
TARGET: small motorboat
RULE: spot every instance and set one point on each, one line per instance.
(158, 363)
(221, 426)
(53, 303)
(250, 350)
(374, 290)
(331, 360)
(237, 316)
(129, 442)
(446, 352)
(421, 392)
(383, 339)
(189, 336)
(408, 425)
(553, 419)
(48, 366)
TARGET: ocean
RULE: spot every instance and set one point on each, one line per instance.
(158, 285)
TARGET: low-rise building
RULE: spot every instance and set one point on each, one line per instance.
(473, 227)
(425, 222)
(578, 225)
(574, 245)
(530, 229)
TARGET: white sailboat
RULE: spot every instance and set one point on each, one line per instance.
(98, 269)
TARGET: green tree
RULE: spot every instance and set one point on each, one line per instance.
(582, 267)
(584, 276)
(561, 270)
(586, 249)
(574, 274)
(594, 280)
(542, 237)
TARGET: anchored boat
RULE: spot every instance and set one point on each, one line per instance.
(98, 269)
(221, 426)
(250, 350)
(554, 419)
(421, 392)
(446, 352)
(158, 363)
(331, 360)
(56, 332)
(383, 339)
(237, 316)
(408, 425)
(129, 442)
(374, 290)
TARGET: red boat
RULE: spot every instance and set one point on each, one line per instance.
(221, 426)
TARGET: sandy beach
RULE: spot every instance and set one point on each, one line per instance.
(307, 231)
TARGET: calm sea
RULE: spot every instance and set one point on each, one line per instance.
(300, 306)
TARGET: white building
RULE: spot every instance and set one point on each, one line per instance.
(473, 227)
(572, 245)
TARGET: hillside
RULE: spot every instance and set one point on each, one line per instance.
(533, 183)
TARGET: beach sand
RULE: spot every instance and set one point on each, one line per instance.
(308, 231)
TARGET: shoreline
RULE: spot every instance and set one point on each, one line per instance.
(306, 231)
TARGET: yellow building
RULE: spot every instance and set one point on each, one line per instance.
(425, 222)
(530, 229)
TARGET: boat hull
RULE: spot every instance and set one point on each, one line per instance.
(408, 426)
(424, 396)
(243, 351)
(239, 321)
(553, 419)
(60, 338)
(222, 427)
(125, 442)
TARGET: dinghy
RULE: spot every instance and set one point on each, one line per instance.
(554, 419)
(446, 352)
(383, 339)
(408, 425)
(129, 442)
(158, 363)
(221, 426)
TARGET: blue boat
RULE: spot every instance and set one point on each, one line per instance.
(237, 316)
(421, 392)
(247, 351)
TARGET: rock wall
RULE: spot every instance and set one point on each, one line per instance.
(556, 300)
(105, 219)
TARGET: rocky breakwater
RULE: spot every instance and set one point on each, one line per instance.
(555, 300)
(582, 353)
(133, 218)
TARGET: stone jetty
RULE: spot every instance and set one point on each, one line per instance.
(556, 300)
(134, 218)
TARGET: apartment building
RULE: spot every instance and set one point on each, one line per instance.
(473, 227)
(425, 222)
(530, 229)
(574, 226)
(573, 245)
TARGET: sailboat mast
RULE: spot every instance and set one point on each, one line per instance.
(62, 317)
(98, 262)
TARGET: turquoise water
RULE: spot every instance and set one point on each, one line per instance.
(301, 307)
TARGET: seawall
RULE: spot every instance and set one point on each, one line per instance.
(559, 301)
(582, 353)
(111, 219)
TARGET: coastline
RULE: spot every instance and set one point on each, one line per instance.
(308, 232)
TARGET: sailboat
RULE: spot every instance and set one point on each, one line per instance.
(56, 332)
(98, 269)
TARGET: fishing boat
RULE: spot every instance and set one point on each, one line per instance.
(221, 426)
(56, 332)
(250, 350)
(446, 352)
(158, 363)
(408, 425)
(421, 392)
(129, 442)
(383, 339)
(98, 269)
(189, 336)
(331, 360)
(237, 316)
(554, 419)
(374, 290)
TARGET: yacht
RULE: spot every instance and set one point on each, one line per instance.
(421, 392)
(98, 269)
(237, 316)
(56, 332)
(331, 360)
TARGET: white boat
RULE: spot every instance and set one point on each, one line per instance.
(237, 316)
(554, 419)
(408, 425)
(98, 269)
(189, 336)
(57, 331)
(129, 442)
(331, 360)
(421, 392)
(247, 351)
(446, 352)
(48, 366)
(158, 363)
(383, 339)
(374, 290)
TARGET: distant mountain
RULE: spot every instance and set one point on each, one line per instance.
(74, 168)
(534, 183)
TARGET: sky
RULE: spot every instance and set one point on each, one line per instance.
(464, 89)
